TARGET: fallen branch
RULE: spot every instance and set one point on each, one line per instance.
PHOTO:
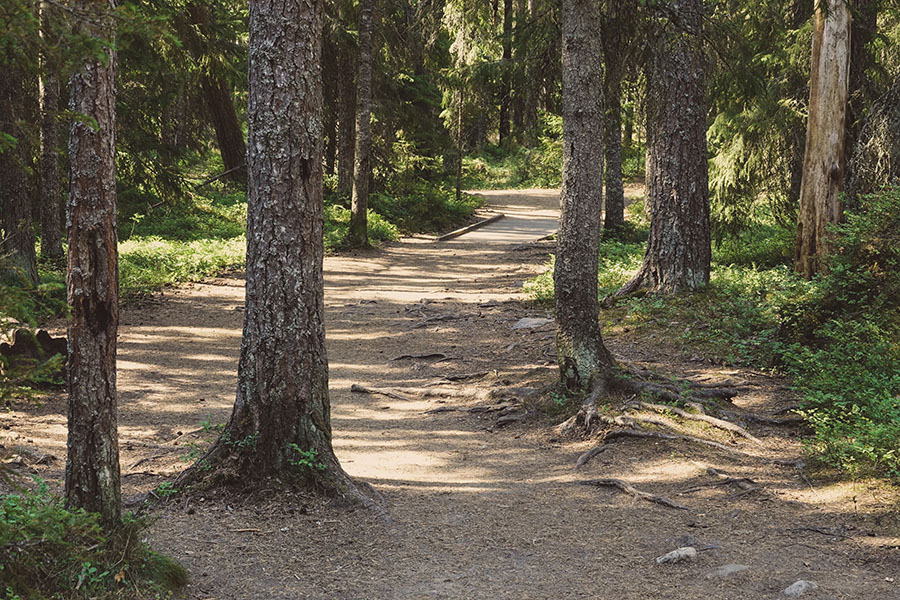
(629, 489)
(430, 356)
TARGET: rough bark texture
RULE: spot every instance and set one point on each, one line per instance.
(678, 250)
(864, 27)
(346, 124)
(219, 102)
(613, 50)
(282, 407)
(584, 361)
(505, 74)
(51, 225)
(358, 236)
(823, 164)
(17, 245)
(92, 465)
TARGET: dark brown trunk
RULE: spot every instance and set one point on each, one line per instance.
(358, 236)
(280, 429)
(17, 242)
(678, 250)
(331, 140)
(505, 73)
(346, 125)
(823, 161)
(51, 225)
(92, 466)
(584, 361)
(628, 135)
(219, 102)
(614, 198)
(864, 27)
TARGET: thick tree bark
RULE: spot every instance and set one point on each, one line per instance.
(358, 235)
(584, 361)
(823, 163)
(51, 226)
(17, 243)
(678, 250)
(92, 466)
(220, 102)
(613, 58)
(346, 125)
(280, 428)
(505, 74)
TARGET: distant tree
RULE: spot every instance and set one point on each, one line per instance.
(17, 244)
(92, 466)
(280, 428)
(358, 236)
(824, 160)
(51, 227)
(584, 361)
(678, 250)
(346, 134)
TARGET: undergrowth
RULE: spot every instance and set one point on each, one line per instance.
(837, 336)
(49, 552)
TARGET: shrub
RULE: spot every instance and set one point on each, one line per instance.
(50, 552)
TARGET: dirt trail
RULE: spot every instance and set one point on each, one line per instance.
(480, 511)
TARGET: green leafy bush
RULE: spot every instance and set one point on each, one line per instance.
(50, 552)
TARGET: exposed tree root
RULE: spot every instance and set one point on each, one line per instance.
(629, 489)
(587, 456)
(719, 423)
(744, 483)
(631, 430)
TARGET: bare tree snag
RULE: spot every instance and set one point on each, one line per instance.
(92, 465)
(823, 163)
(279, 433)
(358, 234)
(584, 361)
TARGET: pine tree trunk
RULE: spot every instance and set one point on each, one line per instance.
(346, 125)
(280, 429)
(51, 226)
(823, 163)
(864, 27)
(220, 103)
(584, 361)
(17, 247)
(678, 250)
(358, 236)
(614, 199)
(92, 466)
(506, 68)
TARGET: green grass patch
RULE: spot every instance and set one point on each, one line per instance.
(49, 552)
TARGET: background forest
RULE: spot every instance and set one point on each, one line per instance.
(467, 94)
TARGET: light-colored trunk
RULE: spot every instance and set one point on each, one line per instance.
(823, 163)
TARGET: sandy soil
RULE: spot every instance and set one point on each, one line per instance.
(479, 510)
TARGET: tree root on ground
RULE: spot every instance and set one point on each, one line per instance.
(702, 417)
(629, 489)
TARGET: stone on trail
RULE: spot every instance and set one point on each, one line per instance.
(726, 570)
(530, 323)
(678, 555)
(800, 587)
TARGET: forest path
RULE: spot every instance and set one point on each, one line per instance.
(480, 511)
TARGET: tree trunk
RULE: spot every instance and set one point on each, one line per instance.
(678, 250)
(346, 125)
(584, 361)
(331, 143)
(358, 236)
(279, 432)
(17, 242)
(823, 163)
(864, 27)
(219, 101)
(51, 226)
(92, 466)
(614, 199)
(505, 73)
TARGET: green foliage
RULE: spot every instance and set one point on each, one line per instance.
(423, 208)
(49, 552)
(337, 223)
(305, 460)
(836, 336)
